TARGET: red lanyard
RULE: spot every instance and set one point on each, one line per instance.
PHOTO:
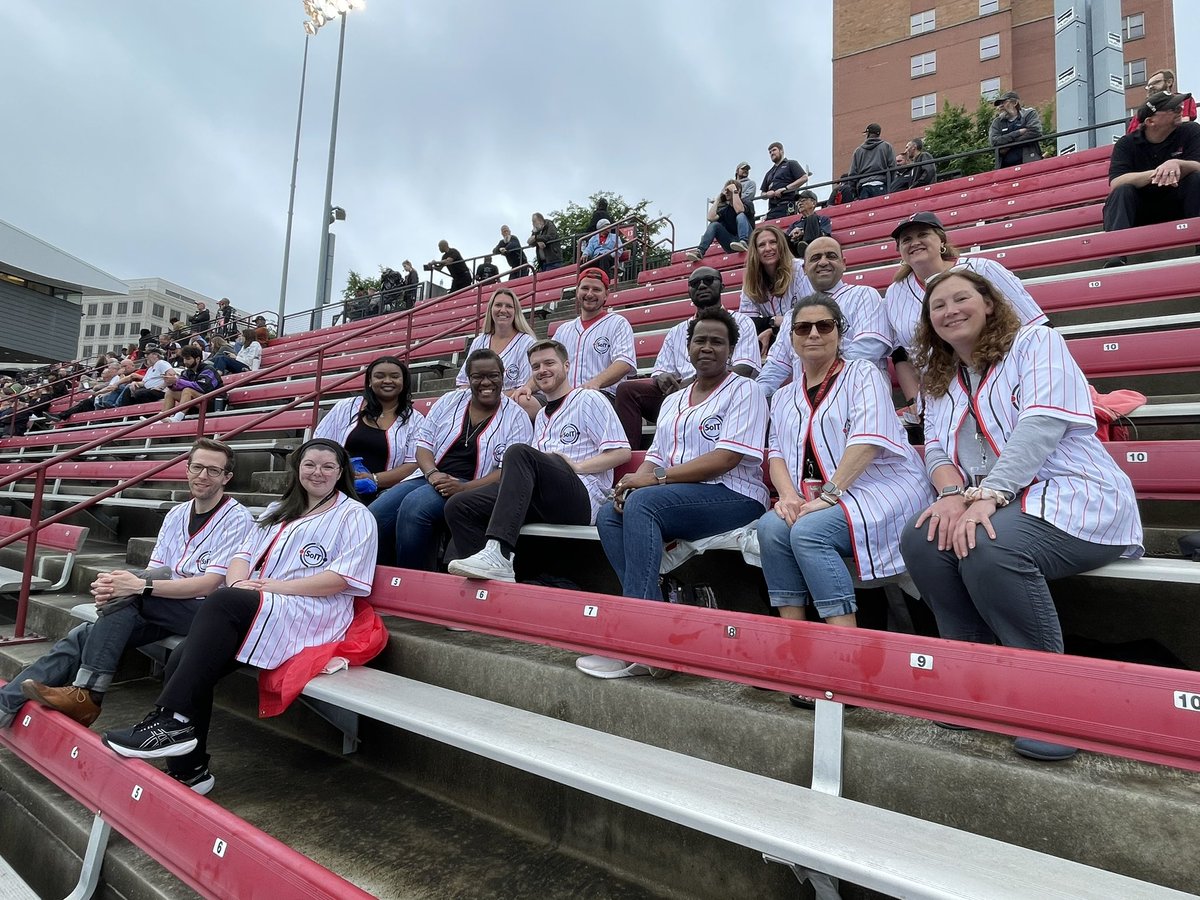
(827, 383)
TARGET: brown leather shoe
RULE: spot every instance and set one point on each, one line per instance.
(70, 700)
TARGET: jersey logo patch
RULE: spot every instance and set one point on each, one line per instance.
(498, 452)
(313, 556)
(512, 372)
(602, 345)
(1016, 397)
(569, 435)
(202, 560)
(710, 428)
(846, 427)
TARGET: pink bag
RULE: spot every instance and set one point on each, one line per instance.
(1111, 411)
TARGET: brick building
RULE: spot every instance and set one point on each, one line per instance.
(896, 62)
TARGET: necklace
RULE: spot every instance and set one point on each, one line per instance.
(471, 432)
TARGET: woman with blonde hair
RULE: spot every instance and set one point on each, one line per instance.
(774, 280)
(507, 334)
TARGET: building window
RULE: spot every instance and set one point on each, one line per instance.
(988, 6)
(989, 46)
(989, 88)
(924, 106)
(176, 314)
(89, 330)
(1133, 27)
(106, 309)
(923, 64)
(87, 351)
(135, 328)
(119, 329)
(122, 308)
(157, 311)
(137, 308)
(104, 330)
(922, 22)
(1135, 72)
(92, 307)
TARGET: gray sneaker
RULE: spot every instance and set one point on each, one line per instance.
(490, 563)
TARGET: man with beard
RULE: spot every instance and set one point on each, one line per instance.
(599, 343)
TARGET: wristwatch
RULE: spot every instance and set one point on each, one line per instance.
(832, 490)
(660, 474)
(951, 490)
(149, 588)
(429, 474)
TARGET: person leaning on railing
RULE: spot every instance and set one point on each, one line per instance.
(546, 243)
(1026, 491)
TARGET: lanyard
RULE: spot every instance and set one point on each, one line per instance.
(822, 390)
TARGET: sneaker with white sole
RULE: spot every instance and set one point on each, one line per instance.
(158, 735)
(201, 780)
(178, 417)
(490, 563)
(607, 667)
(738, 246)
(694, 255)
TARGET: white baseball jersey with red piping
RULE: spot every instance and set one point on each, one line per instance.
(444, 425)
(210, 549)
(594, 346)
(586, 424)
(401, 436)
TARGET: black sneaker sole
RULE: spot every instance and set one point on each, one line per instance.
(180, 749)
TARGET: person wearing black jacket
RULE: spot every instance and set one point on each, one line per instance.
(200, 377)
(781, 182)
(914, 167)
(546, 243)
(511, 248)
(486, 271)
(199, 320)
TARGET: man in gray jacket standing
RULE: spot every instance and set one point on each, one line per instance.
(873, 165)
(1015, 132)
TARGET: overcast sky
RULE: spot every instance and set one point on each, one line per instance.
(155, 138)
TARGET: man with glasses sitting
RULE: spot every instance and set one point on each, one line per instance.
(642, 398)
(190, 557)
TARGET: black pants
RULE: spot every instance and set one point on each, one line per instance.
(207, 655)
(534, 487)
(1128, 206)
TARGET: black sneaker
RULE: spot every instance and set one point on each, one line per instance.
(159, 734)
(200, 780)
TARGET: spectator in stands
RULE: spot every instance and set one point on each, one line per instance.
(199, 321)
(545, 242)
(702, 475)
(508, 334)
(749, 190)
(276, 605)
(809, 226)
(246, 359)
(176, 331)
(600, 213)
(925, 251)
(642, 398)
(411, 282)
(145, 338)
(459, 447)
(1163, 81)
(865, 333)
(191, 555)
(1011, 448)
(773, 281)
(451, 263)
(561, 479)
(104, 395)
(226, 326)
(1015, 132)
(602, 249)
(262, 332)
(873, 165)
(151, 386)
(914, 167)
(198, 378)
(511, 248)
(600, 342)
(781, 182)
(486, 271)
(844, 471)
(727, 223)
(1154, 173)
(379, 428)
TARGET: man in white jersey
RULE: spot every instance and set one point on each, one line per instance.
(868, 334)
(600, 343)
(194, 547)
(642, 398)
(562, 479)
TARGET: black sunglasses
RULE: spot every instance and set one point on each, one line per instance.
(823, 326)
(705, 280)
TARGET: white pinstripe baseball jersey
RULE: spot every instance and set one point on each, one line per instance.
(585, 424)
(515, 358)
(733, 417)
(857, 410)
(673, 356)
(779, 306)
(1079, 489)
(443, 426)
(596, 345)
(343, 539)
(903, 299)
(401, 436)
(210, 549)
(868, 336)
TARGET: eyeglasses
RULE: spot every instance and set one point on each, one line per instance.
(705, 280)
(477, 377)
(212, 471)
(309, 468)
(823, 326)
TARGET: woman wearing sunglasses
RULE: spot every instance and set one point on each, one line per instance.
(774, 279)
(1025, 489)
(291, 586)
(844, 471)
(925, 251)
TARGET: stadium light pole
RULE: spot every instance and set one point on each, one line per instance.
(309, 30)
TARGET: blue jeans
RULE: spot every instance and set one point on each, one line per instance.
(225, 363)
(633, 539)
(412, 511)
(744, 227)
(804, 564)
(108, 401)
(718, 232)
(88, 656)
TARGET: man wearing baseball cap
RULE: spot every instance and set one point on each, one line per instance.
(1154, 173)
(873, 165)
(748, 188)
(1015, 131)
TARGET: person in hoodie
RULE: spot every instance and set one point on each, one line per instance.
(873, 165)
(199, 377)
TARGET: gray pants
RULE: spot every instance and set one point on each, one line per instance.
(998, 594)
(88, 656)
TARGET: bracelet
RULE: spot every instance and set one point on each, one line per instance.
(1000, 498)
(828, 498)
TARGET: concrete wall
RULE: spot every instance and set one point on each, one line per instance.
(36, 327)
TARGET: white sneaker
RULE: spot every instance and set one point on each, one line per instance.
(693, 255)
(606, 667)
(738, 247)
(489, 563)
(178, 417)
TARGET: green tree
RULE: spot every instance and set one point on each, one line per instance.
(953, 130)
(1050, 147)
(356, 282)
(573, 221)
